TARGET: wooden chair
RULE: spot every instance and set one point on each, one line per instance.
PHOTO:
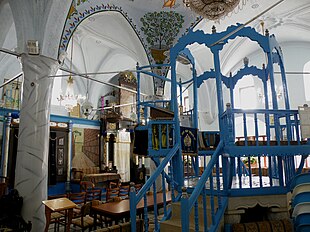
(101, 218)
(115, 228)
(113, 185)
(93, 194)
(104, 194)
(103, 230)
(86, 185)
(77, 175)
(84, 221)
(79, 199)
(138, 187)
(57, 217)
(125, 227)
(124, 191)
(112, 193)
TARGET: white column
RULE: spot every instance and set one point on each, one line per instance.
(68, 188)
(6, 138)
(33, 140)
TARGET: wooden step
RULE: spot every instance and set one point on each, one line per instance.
(174, 224)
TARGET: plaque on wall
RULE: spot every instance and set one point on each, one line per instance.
(60, 156)
(61, 141)
(188, 139)
(60, 171)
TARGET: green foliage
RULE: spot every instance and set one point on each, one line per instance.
(161, 28)
(252, 160)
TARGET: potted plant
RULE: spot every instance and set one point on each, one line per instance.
(253, 161)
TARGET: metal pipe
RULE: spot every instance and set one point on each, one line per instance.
(69, 158)
(245, 24)
(12, 79)
(72, 73)
(6, 146)
(7, 51)
(106, 83)
(293, 73)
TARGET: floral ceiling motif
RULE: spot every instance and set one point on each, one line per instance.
(161, 28)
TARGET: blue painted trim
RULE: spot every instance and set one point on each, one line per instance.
(258, 191)
(209, 39)
(57, 118)
(238, 151)
(57, 189)
(83, 121)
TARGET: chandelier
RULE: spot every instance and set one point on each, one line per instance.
(212, 9)
(68, 100)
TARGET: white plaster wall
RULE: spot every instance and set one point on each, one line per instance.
(295, 57)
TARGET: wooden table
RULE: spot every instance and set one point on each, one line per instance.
(101, 177)
(121, 209)
(58, 204)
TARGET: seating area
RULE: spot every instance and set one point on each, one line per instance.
(89, 195)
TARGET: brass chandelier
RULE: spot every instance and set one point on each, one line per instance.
(212, 9)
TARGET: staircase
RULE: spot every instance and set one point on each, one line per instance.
(300, 202)
(228, 170)
(175, 223)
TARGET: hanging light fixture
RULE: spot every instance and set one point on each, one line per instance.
(212, 9)
(87, 106)
(69, 99)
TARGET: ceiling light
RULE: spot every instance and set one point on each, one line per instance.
(69, 99)
(212, 9)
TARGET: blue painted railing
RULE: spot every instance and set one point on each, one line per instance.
(281, 128)
(262, 156)
(212, 185)
(135, 198)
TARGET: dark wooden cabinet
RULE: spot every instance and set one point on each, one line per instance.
(57, 160)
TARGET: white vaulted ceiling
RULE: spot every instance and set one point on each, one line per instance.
(105, 42)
